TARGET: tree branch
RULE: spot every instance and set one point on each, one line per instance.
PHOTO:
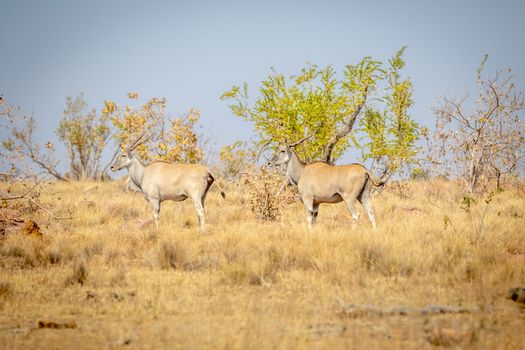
(345, 130)
(22, 195)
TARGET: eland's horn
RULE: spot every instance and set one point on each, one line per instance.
(300, 141)
(140, 140)
(262, 149)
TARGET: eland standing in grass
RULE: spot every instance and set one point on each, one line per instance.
(160, 181)
(320, 182)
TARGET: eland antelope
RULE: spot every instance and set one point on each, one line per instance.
(160, 181)
(320, 182)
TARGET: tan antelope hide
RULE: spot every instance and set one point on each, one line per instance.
(320, 182)
(160, 181)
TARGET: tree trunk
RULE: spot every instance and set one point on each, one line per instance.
(345, 130)
(498, 179)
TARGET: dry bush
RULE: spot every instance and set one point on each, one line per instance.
(168, 254)
(125, 211)
(263, 265)
(22, 251)
(267, 193)
(402, 189)
(376, 257)
(257, 273)
(60, 249)
(78, 275)
(5, 289)
(93, 248)
(119, 278)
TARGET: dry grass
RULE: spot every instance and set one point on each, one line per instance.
(245, 283)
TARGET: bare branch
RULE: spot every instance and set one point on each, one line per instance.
(8, 198)
(48, 212)
(345, 130)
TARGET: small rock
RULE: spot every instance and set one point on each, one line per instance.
(92, 188)
(141, 223)
(8, 214)
(122, 342)
(31, 228)
(327, 329)
(407, 208)
(91, 295)
(450, 337)
(11, 230)
(86, 204)
(57, 325)
(116, 296)
(517, 295)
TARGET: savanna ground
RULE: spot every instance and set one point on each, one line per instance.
(105, 279)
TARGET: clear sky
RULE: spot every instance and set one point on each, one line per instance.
(192, 51)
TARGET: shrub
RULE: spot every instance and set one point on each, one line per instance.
(169, 255)
(267, 194)
(79, 274)
(5, 289)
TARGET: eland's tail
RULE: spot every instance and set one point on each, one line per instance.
(376, 184)
(223, 194)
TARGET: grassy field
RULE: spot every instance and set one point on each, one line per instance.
(435, 273)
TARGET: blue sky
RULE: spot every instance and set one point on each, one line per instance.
(192, 51)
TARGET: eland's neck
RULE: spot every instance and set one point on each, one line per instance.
(136, 172)
(294, 169)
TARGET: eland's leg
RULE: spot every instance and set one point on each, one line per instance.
(198, 203)
(352, 209)
(315, 212)
(311, 213)
(365, 202)
(364, 199)
(155, 206)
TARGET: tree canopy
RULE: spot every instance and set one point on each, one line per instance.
(317, 102)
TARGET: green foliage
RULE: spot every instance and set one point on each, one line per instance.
(391, 133)
(467, 203)
(312, 102)
(419, 174)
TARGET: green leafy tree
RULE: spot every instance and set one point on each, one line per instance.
(313, 102)
(391, 133)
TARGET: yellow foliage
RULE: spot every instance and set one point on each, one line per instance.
(173, 140)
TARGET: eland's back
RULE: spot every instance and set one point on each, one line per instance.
(175, 181)
(329, 184)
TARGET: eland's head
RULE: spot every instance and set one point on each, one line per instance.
(125, 158)
(122, 161)
(281, 156)
(284, 153)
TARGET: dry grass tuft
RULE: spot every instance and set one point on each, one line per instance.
(6, 289)
(168, 254)
(78, 275)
